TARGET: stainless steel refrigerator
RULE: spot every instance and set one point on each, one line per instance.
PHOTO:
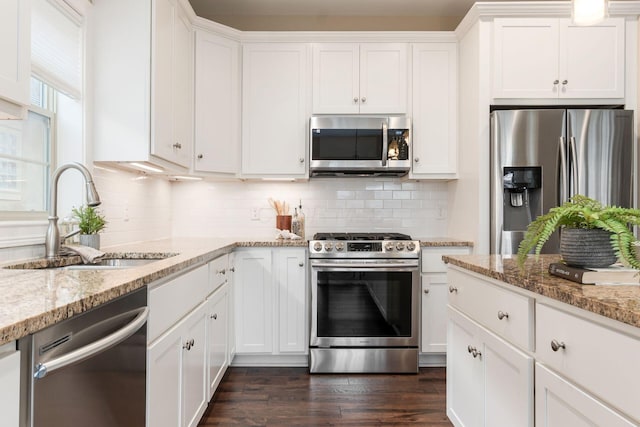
(541, 157)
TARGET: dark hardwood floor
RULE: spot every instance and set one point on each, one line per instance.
(290, 396)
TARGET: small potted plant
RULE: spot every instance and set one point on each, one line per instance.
(91, 222)
(592, 235)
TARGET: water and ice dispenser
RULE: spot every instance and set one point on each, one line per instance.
(521, 200)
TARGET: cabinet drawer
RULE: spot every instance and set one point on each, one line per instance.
(218, 272)
(432, 257)
(601, 360)
(505, 313)
(172, 300)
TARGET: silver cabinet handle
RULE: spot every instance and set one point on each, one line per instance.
(564, 82)
(355, 99)
(301, 159)
(95, 347)
(214, 316)
(189, 344)
(469, 348)
(301, 264)
(555, 82)
(417, 160)
(453, 289)
(475, 353)
(177, 145)
(363, 99)
(555, 345)
(232, 269)
(426, 291)
(502, 315)
(200, 156)
(223, 271)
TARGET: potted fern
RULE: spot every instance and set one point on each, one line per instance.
(592, 235)
(90, 223)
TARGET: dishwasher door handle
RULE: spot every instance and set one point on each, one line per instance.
(42, 369)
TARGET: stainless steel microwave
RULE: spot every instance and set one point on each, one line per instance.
(359, 145)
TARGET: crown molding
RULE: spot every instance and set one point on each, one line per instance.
(347, 36)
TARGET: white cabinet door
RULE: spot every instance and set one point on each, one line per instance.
(15, 48)
(274, 109)
(559, 403)
(194, 374)
(383, 78)
(508, 383)
(435, 110)
(164, 381)
(592, 59)
(552, 58)
(365, 78)
(292, 296)
(465, 385)
(217, 339)
(217, 104)
(336, 78)
(526, 58)
(10, 387)
(434, 313)
(254, 304)
(171, 138)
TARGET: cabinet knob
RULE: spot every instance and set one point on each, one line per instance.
(214, 316)
(502, 315)
(416, 160)
(363, 99)
(355, 99)
(189, 344)
(469, 348)
(475, 353)
(301, 159)
(564, 82)
(301, 264)
(232, 269)
(177, 145)
(426, 291)
(555, 345)
(200, 156)
(453, 289)
(555, 82)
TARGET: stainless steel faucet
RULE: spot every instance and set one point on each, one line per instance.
(52, 240)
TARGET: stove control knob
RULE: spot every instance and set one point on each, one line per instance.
(400, 246)
(411, 246)
(339, 246)
(317, 246)
(389, 246)
(328, 247)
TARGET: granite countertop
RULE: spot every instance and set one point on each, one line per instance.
(442, 241)
(33, 299)
(617, 302)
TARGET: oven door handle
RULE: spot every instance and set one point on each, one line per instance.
(83, 353)
(363, 265)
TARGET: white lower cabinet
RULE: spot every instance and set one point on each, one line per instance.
(217, 338)
(489, 381)
(9, 385)
(560, 403)
(176, 373)
(270, 287)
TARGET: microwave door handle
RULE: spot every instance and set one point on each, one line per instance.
(385, 143)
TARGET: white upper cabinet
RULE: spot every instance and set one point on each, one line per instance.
(367, 78)
(552, 58)
(15, 66)
(435, 109)
(275, 109)
(217, 104)
(143, 82)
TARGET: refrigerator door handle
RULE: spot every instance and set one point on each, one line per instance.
(575, 183)
(564, 184)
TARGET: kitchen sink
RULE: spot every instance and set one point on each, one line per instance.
(110, 262)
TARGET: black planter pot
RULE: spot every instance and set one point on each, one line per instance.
(586, 247)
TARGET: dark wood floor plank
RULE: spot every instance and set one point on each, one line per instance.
(293, 397)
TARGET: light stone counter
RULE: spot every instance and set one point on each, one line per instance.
(34, 299)
(617, 302)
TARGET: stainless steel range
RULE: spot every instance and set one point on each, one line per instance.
(364, 303)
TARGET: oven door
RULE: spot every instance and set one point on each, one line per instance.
(364, 303)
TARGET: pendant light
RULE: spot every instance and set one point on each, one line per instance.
(589, 12)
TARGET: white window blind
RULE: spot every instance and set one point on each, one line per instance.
(56, 47)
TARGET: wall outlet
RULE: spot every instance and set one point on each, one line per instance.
(255, 214)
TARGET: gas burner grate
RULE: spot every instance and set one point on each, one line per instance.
(361, 236)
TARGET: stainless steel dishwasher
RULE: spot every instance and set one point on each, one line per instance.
(89, 370)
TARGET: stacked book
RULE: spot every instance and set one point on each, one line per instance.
(614, 275)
